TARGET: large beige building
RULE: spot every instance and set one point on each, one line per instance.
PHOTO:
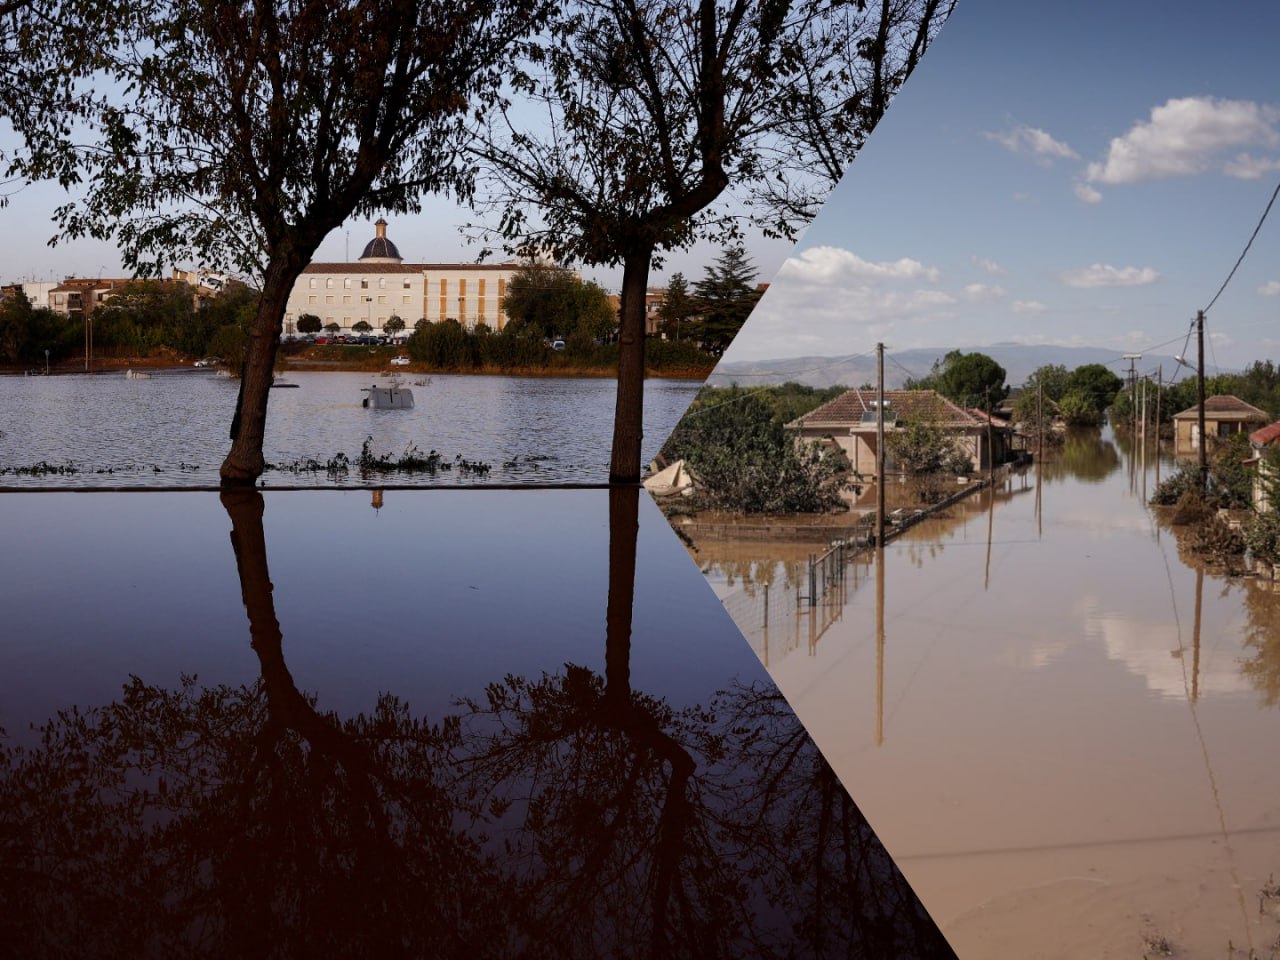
(381, 285)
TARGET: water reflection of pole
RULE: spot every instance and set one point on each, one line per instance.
(991, 525)
(879, 644)
(1039, 455)
(1195, 637)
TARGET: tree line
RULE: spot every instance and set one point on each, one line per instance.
(140, 317)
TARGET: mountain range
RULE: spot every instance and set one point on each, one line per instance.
(1018, 360)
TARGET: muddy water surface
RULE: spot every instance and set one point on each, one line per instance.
(1065, 735)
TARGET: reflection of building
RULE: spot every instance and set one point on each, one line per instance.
(1224, 415)
(381, 285)
(849, 421)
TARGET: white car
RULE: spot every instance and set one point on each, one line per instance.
(400, 361)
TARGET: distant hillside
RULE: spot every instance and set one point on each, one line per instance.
(1018, 360)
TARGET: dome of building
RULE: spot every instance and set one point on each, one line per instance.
(380, 249)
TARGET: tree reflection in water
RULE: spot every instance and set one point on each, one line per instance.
(1262, 639)
(564, 816)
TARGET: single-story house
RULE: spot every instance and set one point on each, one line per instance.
(849, 421)
(1224, 415)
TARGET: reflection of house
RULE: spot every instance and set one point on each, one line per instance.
(850, 422)
(381, 285)
(1224, 415)
(1266, 464)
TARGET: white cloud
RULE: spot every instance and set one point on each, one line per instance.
(984, 291)
(1087, 194)
(827, 264)
(1028, 308)
(989, 265)
(1270, 289)
(1034, 142)
(1104, 275)
(1245, 166)
(1182, 137)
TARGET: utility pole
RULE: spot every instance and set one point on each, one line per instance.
(879, 444)
(1133, 388)
(1204, 459)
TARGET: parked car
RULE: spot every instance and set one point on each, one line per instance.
(400, 361)
(209, 362)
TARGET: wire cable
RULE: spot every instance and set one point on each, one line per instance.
(1243, 253)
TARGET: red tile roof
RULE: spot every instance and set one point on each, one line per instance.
(1225, 407)
(847, 409)
(1266, 436)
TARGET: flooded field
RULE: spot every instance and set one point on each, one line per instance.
(432, 723)
(1063, 733)
(171, 430)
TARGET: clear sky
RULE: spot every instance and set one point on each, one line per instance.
(1072, 173)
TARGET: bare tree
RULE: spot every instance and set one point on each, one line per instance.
(643, 125)
(240, 134)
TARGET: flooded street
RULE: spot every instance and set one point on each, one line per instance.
(1064, 734)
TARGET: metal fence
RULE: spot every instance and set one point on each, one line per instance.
(782, 616)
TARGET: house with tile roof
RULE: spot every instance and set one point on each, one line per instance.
(1224, 415)
(849, 422)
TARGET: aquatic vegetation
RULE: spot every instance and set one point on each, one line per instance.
(42, 469)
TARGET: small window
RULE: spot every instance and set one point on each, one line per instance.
(382, 299)
(364, 284)
(408, 285)
(346, 284)
(406, 299)
(328, 284)
(313, 283)
(382, 283)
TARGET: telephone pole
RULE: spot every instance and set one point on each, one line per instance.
(879, 444)
(1204, 459)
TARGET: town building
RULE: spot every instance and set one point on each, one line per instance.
(381, 285)
(849, 422)
(1266, 473)
(1224, 415)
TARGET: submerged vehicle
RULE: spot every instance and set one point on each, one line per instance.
(394, 397)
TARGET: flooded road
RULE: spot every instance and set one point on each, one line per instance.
(1064, 734)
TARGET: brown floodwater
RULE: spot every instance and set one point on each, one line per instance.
(446, 724)
(1065, 735)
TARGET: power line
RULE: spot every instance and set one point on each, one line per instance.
(1274, 193)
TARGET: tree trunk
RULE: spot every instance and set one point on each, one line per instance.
(628, 417)
(245, 463)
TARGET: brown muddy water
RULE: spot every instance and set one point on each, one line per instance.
(1065, 735)
(446, 724)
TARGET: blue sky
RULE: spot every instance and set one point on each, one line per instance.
(992, 203)
(1077, 174)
